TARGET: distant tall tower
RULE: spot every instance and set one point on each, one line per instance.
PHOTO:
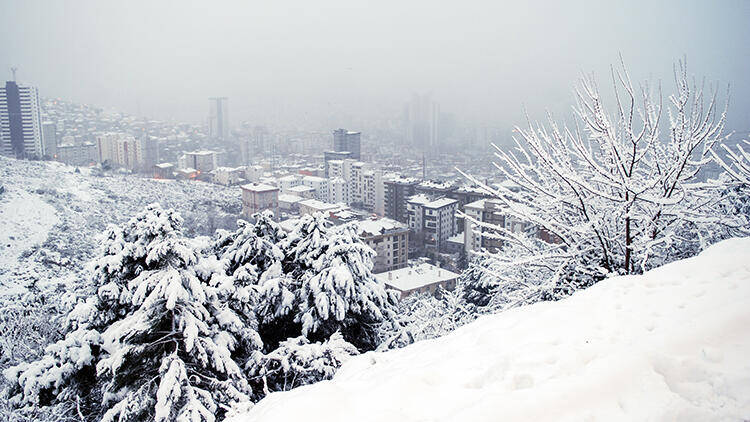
(218, 118)
(344, 140)
(20, 121)
(422, 117)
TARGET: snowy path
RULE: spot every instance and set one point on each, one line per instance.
(673, 344)
(25, 221)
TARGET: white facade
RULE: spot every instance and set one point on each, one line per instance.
(253, 173)
(337, 192)
(287, 182)
(319, 186)
(434, 219)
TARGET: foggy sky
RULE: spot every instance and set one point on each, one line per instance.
(302, 62)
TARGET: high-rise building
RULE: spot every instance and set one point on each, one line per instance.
(123, 150)
(421, 121)
(218, 118)
(396, 191)
(344, 140)
(49, 136)
(20, 121)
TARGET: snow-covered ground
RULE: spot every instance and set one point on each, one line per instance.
(50, 215)
(25, 221)
(673, 344)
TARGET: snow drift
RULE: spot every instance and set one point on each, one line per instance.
(672, 344)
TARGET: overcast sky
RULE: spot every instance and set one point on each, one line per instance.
(304, 60)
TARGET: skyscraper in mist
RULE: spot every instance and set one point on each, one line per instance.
(218, 118)
(20, 121)
(344, 140)
(421, 122)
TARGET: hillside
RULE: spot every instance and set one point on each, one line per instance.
(672, 344)
(50, 215)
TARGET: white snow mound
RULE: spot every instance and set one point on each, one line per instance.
(672, 344)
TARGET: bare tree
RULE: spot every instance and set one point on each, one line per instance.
(736, 164)
(614, 193)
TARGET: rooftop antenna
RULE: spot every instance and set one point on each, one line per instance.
(13, 71)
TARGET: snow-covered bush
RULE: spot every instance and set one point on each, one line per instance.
(423, 316)
(298, 362)
(616, 193)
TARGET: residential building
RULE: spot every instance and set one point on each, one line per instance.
(485, 211)
(319, 186)
(49, 137)
(120, 150)
(422, 278)
(433, 220)
(390, 241)
(347, 141)
(258, 197)
(311, 206)
(337, 192)
(164, 171)
(203, 161)
(289, 181)
(329, 156)
(77, 154)
(228, 176)
(396, 191)
(20, 121)
(289, 203)
(253, 174)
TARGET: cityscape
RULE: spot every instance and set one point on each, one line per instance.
(393, 211)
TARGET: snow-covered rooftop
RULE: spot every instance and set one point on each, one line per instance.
(672, 344)
(290, 198)
(258, 187)
(301, 189)
(319, 205)
(411, 278)
(380, 226)
(440, 203)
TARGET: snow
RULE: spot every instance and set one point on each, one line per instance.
(25, 221)
(411, 278)
(379, 226)
(257, 187)
(671, 344)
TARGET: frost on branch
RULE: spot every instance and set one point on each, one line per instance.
(615, 193)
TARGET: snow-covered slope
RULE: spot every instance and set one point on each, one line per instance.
(50, 215)
(673, 344)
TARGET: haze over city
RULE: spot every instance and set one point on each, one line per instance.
(306, 64)
(231, 211)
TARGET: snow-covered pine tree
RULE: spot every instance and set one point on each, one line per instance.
(279, 287)
(246, 260)
(341, 294)
(609, 195)
(165, 353)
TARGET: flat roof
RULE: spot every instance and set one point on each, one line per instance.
(442, 202)
(258, 187)
(290, 198)
(380, 226)
(319, 205)
(411, 278)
